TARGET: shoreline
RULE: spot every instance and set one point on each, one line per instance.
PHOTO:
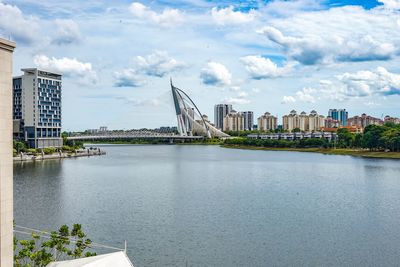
(24, 158)
(326, 151)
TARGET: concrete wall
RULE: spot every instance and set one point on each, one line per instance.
(6, 164)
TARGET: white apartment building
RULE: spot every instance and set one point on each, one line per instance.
(234, 121)
(304, 122)
(267, 122)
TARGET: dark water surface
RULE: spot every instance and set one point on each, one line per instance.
(211, 206)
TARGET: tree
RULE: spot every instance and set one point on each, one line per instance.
(19, 146)
(345, 138)
(59, 245)
(372, 137)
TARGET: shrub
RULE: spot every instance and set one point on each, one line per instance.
(49, 150)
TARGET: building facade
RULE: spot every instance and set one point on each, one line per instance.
(364, 120)
(304, 122)
(37, 104)
(248, 120)
(267, 122)
(339, 114)
(331, 123)
(234, 121)
(391, 119)
(220, 112)
(6, 161)
(315, 121)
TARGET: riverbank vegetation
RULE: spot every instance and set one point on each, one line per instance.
(375, 141)
(68, 147)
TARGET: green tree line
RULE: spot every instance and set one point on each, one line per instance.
(374, 137)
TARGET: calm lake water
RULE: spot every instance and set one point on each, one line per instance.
(210, 206)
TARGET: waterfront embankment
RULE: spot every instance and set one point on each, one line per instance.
(329, 151)
(59, 155)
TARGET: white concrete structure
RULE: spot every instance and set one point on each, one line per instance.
(116, 259)
(190, 120)
(6, 164)
(37, 103)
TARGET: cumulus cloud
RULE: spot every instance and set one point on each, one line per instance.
(325, 36)
(128, 78)
(13, 23)
(158, 64)
(390, 4)
(67, 32)
(288, 99)
(259, 67)
(228, 16)
(167, 18)
(236, 101)
(215, 74)
(306, 95)
(360, 84)
(365, 83)
(69, 67)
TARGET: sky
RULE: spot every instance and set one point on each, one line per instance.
(117, 57)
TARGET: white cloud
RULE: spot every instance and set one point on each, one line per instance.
(325, 36)
(13, 23)
(158, 64)
(215, 74)
(259, 67)
(366, 83)
(128, 78)
(67, 32)
(236, 101)
(360, 84)
(288, 99)
(242, 94)
(235, 88)
(390, 4)
(306, 95)
(167, 18)
(284, 8)
(228, 16)
(69, 67)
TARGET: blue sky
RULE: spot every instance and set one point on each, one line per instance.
(117, 56)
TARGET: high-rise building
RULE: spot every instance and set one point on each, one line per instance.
(6, 161)
(364, 120)
(304, 122)
(315, 121)
(331, 123)
(339, 114)
(234, 121)
(248, 120)
(220, 111)
(267, 122)
(37, 104)
(392, 119)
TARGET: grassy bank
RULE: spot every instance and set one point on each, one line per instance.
(349, 152)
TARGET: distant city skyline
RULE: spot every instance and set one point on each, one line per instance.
(273, 56)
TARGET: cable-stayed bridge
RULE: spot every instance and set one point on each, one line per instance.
(192, 125)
